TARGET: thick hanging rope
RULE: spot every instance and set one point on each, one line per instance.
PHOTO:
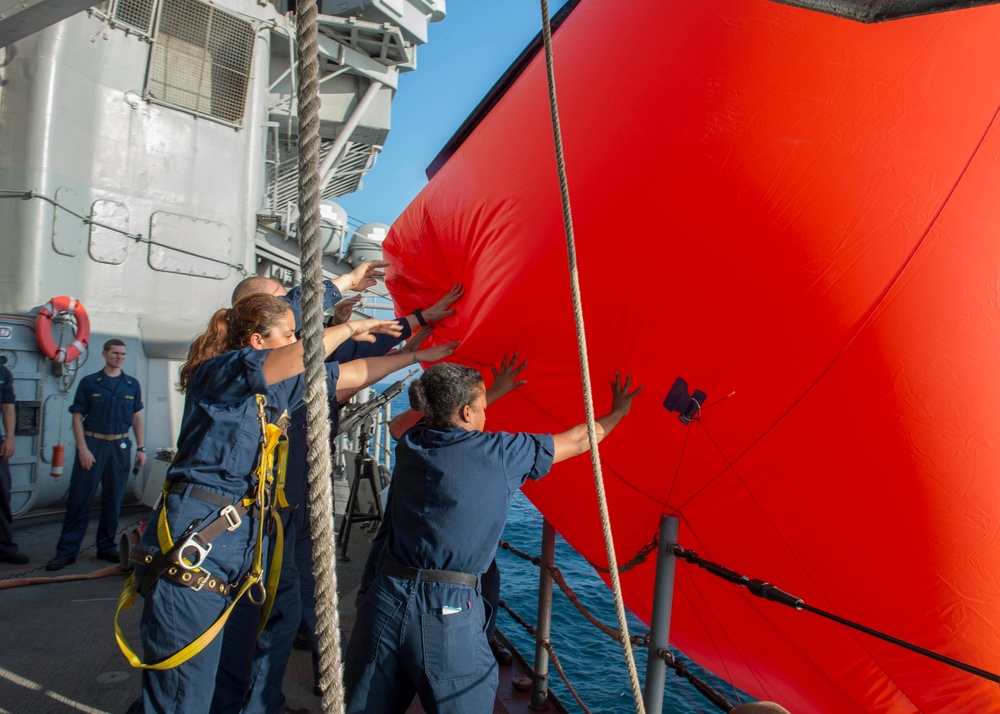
(317, 406)
(581, 338)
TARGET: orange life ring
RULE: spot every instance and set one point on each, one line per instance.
(43, 328)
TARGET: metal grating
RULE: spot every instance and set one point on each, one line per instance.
(136, 14)
(201, 60)
(283, 178)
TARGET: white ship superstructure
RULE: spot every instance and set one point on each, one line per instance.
(148, 164)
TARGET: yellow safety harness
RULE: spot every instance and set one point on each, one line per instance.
(180, 560)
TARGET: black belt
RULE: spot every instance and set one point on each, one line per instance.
(202, 494)
(430, 576)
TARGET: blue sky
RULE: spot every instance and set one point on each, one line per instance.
(466, 53)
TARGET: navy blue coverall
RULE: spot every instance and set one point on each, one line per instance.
(217, 451)
(252, 668)
(7, 544)
(107, 405)
(451, 490)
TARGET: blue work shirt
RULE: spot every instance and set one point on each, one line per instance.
(451, 490)
(107, 403)
(6, 390)
(351, 350)
(331, 296)
(220, 431)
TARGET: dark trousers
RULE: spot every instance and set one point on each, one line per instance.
(174, 615)
(403, 644)
(110, 472)
(251, 668)
(7, 544)
(491, 595)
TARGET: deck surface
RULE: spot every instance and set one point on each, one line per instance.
(59, 652)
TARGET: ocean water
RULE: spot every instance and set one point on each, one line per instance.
(593, 663)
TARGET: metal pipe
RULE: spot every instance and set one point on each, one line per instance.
(329, 167)
(659, 630)
(388, 437)
(540, 680)
(377, 438)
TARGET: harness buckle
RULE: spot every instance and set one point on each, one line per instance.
(201, 552)
(232, 517)
(205, 579)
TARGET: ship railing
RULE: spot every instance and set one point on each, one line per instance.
(659, 656)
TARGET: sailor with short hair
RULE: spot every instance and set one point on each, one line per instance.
(108, 403)
(421, 627)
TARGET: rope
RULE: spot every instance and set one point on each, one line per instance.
(317, 405)
(552, 654)
(560, 580)
(584, 366)
(770, 592)
(679, 667)
(682, 670)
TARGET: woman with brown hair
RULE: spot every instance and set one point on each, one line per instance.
(194, 557)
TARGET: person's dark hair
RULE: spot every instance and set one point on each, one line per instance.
(113, 342)
(230, 329)
(444, 389)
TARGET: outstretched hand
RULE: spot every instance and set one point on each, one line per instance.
(365, 330)
(505, 379)
(364, 276)
(433, 354)
(621, 398)
(442, 308)
(417, 339)
(343, 310)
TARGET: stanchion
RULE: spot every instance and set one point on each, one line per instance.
(663, 598)
(540, 680)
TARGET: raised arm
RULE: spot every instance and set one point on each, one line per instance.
(362, 277)
(575, 441)
(439, 310)
(364, 372)
(504, 382)
(286, 362)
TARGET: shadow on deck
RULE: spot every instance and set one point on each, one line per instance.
(59, 652)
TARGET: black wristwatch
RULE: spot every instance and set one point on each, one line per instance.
(141, 448)
(419, 314)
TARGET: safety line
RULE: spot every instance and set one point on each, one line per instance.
(584, 366)
(317, 404)
(767, 591)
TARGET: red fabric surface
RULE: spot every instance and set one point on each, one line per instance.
(801, 211)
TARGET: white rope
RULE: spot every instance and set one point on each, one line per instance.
(317, 405)
(581, 338)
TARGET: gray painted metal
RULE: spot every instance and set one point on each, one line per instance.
(663, 598)
(20, 18)
(149, 209)
(543, 631)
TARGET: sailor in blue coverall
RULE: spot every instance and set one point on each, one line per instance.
(8, 548)
(107, 404)
(250, 673)
(421, 626)
(217, 450)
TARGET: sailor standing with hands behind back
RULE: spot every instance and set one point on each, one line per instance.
(107, 404)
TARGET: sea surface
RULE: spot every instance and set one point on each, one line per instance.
(593, 663)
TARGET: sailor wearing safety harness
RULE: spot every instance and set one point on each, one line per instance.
(107, 404)
(421, 626)
(203, 547)
(250, 673)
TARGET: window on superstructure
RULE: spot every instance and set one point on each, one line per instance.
(201, 60)
(135, 14)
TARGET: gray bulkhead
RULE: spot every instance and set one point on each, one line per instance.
(147, 165)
